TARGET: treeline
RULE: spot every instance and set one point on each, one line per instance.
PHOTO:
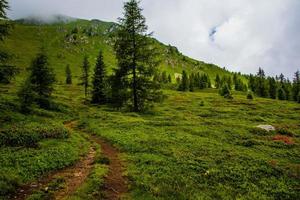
(277, 87)
(193, 81)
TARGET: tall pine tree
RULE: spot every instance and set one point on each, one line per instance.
(136, 57)
(99, 82)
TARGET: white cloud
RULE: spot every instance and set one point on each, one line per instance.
(249, 33)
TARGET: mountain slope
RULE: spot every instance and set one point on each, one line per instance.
(67, 41)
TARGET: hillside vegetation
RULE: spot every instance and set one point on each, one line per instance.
(191, 145)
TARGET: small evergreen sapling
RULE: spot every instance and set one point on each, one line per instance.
(68, 75)
(225, 92)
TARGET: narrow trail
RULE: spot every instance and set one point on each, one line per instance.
(115, 184)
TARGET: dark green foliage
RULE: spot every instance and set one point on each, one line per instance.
(251, 83)
(26, 96)
(281, 94)
(4, 25)
(85, 76)
(191, 83)
(119, 94)
(169, 78)
(261, 88)
(30, 134)
(136, 57)
(38, 86)
(202, 81)
(225, 91)
(68, 75)
(164, 77)
(184, 83)
(238, 84)
(250, 95)
(218, 81)
(296, 86)
(41, 79)
(99, 82)
(7, 72)
(272, 87)
(298, 98)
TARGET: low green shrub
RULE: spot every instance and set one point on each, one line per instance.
(8, 183)
(250, 96)
(284, 131)
(30, 134)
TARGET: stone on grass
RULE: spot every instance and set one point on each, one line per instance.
(267, 127)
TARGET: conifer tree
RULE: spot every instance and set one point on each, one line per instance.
(272, 87)
(136, 57)
(39, 84)
(169, 78)
(85, 76)
(218, 81)
(68, 75)
(26, 96)
(251, 83)
(184, 83)
(7, 71)
(296, 86)
(99, 81)
(281, 94)
(261, 85)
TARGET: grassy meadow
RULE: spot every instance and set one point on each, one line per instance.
(190, 146)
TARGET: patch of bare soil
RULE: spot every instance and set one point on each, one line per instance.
(115, 184)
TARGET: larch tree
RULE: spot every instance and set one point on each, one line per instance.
(136, 57)
(99, 82)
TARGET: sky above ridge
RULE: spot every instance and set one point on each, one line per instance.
(240, 35)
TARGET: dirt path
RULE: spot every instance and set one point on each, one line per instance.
(73, 177)
(115, 184)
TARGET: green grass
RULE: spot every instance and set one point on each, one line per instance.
(183, 150)
(192, 146)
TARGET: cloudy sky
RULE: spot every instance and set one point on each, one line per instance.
(240, 35)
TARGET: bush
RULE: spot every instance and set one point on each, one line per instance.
(30, 135)
(8, 183)
(284, 131)
(250, 95)
(225, 92)
(298, 98)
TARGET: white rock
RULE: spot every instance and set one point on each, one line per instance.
(266, 127)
